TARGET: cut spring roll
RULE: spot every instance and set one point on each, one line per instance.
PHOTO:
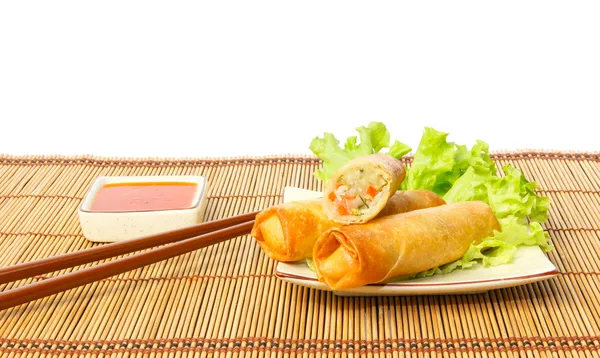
(397, 245)
(361, 188)
(288, 232)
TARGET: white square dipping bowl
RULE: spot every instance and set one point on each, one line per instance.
(103, 226)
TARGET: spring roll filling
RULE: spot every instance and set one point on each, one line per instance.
(357, 190)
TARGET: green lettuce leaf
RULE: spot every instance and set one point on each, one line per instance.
(518, 209)
(373, 139)
(460, 174)
(513, 195)
(398, 150)
(469, 187)
(438, 164)
(433, 163)
(477, 158)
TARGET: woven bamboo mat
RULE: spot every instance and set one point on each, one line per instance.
(225, 300)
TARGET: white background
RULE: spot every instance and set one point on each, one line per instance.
(232, 78)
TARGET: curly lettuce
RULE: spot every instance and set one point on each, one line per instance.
(471, 175)
(456, 173)
(438, 164)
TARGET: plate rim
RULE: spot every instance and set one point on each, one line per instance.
(540, 275)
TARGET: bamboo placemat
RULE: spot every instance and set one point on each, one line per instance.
(225, 300)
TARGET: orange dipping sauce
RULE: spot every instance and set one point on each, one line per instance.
(127, 197)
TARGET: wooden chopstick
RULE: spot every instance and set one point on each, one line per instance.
(50, 264)
(71, 280)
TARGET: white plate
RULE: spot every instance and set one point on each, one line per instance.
(529, 265)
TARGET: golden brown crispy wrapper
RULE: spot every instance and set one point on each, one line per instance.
(391, 169)
(288, 232)
(403, 244)
(408, 200)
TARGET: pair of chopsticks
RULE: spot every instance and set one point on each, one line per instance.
(177, 242)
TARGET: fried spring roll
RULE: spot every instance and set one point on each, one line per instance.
(360, 189)
(288, 232)
(397, 245)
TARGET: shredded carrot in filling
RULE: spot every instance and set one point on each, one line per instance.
(371, 191)
(342, 210)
